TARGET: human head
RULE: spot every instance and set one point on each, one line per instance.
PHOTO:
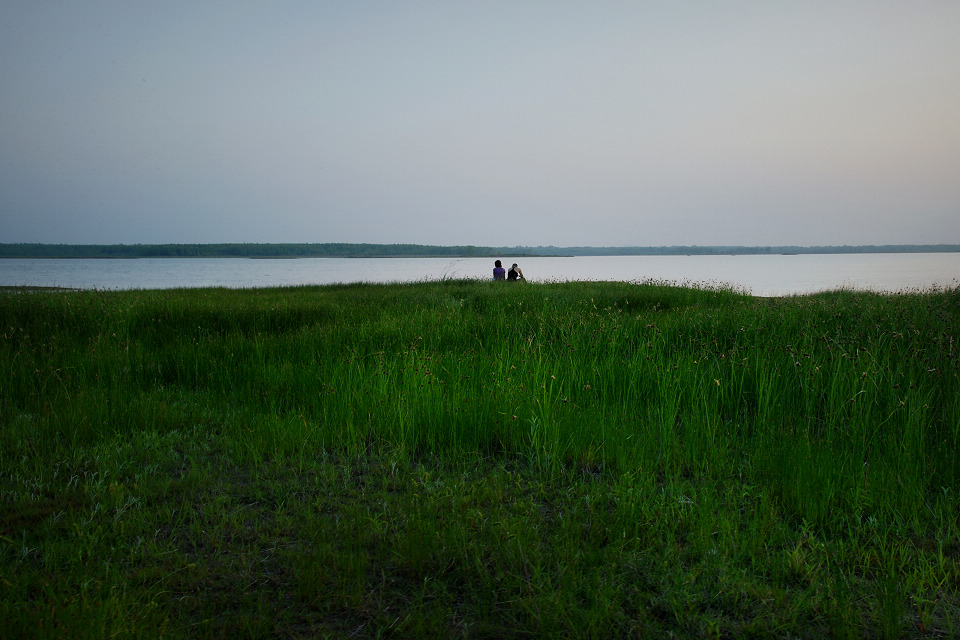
(514, 266)
(497, 264)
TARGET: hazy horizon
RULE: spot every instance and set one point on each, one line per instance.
(951, 247)
(489, 124)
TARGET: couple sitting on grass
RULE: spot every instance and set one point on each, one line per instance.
(512, 275)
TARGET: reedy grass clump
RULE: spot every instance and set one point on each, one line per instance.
(463, 457)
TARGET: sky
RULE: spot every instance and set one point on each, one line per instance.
(520, 123)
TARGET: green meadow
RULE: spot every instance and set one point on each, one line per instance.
(475, 459)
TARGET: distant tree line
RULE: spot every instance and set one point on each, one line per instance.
(734, 250)
(327, 250)
(346, 250)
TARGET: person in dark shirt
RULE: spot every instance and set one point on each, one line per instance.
(515, 273)
(498, 272)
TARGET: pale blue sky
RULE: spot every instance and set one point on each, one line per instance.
(483, 123)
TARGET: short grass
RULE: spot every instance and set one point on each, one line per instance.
(478, 459)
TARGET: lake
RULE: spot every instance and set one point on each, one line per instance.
(761, 275)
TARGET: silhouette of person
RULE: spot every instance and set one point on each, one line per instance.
(498, 271)
(515, 273)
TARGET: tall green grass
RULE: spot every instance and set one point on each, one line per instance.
(474, 458)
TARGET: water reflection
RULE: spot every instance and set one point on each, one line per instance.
(762, 275)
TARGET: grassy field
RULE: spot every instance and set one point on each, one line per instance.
(471, 459)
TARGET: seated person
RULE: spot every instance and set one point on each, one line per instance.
(515, 273)
(498, 272)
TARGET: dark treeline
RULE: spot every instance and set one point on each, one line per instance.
(738, 250)
(345, 250)
(327, 250)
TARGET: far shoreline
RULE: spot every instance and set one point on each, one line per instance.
(269, 251)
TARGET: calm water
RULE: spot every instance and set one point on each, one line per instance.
(759, 275)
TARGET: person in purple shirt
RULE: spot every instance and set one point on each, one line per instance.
(499, 273)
